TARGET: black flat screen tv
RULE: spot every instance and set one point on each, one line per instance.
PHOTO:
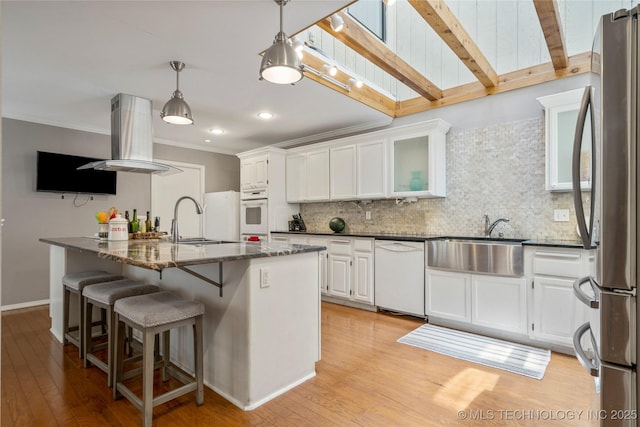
(58, 173)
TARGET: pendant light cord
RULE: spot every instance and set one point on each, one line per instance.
(178, 80)
(281, 13)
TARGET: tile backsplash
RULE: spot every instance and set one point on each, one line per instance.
(497, 170)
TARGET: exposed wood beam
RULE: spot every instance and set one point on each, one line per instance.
(549, 18)
(577, 64)
(367, 45)
(365, 94)
(448, 27)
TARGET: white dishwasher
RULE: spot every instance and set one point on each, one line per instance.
(399, 276)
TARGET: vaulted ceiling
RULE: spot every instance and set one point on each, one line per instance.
(449, 28)
(62, 61)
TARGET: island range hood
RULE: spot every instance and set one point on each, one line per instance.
(131, 138)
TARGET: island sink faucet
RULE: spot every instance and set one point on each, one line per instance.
(489, 226)
(175, 236)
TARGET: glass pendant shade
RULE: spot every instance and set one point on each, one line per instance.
(280, 63)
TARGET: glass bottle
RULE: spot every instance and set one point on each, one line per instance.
(147, 223)
(126, 216)
(134, 222)
(156, 224)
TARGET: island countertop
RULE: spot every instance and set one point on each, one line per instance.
(160, 254)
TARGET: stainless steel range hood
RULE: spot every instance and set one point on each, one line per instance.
(131, 138)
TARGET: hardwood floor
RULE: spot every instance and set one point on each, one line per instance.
(364, 378)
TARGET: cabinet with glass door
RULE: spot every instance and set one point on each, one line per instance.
(418, 160)
(561, 115)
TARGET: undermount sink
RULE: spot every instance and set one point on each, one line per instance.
(199, 241)
(501, 257)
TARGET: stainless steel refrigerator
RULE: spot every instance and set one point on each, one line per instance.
(607, 218)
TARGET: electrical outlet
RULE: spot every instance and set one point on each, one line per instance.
(264, 278)
(367, 215)
(561, 215)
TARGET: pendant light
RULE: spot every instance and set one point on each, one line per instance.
(280, 63)
(176, 111)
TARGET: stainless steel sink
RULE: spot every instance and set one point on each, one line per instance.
(199, 241)
(501, 257)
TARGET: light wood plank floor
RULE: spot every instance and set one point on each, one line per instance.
(365, 378)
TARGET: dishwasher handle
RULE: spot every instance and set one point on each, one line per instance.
(399, 247)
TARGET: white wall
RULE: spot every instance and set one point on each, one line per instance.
(30, 215)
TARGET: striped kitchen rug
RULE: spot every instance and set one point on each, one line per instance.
(520, 359)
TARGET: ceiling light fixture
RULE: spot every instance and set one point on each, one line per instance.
(355, 82)
(176, 111)
(216, 131)
(298, 46)
(207, 140)
(332, 70)
(280, 63)
(337, 23)
(325, 76)
(265, 115)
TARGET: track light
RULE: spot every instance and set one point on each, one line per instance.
(280, 63)
(355, 82)
(332, 70)
(176, 111)
(337, 23)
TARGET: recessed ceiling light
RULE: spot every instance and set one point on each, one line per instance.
(265, 115)
(207, 140)
(216, 131)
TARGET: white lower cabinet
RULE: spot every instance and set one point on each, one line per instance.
(350, 269)
(499, 303)
(488, 301)
(448, 295)
(555, 311)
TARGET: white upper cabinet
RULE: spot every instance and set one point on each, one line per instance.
(371, 169)
(418, 161)
(343, 172)
(561, 115)
(407, 161)
(254, 173)
(308, 176)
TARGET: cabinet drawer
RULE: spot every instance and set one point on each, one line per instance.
(340, 247)
(557, 264)
(363, 245)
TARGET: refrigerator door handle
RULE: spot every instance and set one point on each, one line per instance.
(585, 233)
(591, 302)
(584, 360)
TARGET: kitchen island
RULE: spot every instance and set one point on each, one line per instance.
(261, 325)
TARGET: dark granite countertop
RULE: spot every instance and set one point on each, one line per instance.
(160, 254)
(424, 237)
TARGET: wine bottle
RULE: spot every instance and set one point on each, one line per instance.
(134, 222)
(126, 216)
(147, 223)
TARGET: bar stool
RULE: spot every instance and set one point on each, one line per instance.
(153, 314)
(74, 283)
(104, 295)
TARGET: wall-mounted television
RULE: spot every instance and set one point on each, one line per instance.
(58, 173)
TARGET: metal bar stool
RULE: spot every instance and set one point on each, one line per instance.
(74, 283)
(153, 314)
(104, 295)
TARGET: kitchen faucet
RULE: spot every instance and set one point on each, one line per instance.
(489, 226)
(174, 223)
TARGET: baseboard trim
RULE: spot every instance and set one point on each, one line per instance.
(24, 305)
